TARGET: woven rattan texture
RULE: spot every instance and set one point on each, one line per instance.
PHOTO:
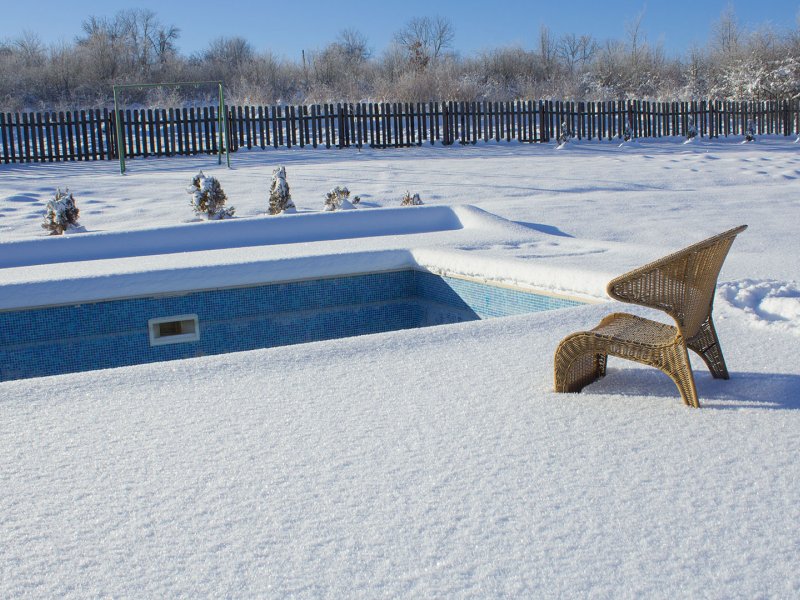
(682, 285)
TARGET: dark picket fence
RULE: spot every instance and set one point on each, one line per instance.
(91, 134)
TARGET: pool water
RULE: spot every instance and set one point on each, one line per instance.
(97, 335)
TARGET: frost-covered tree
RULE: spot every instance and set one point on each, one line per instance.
(726, 31)
(133, 43)
(228, 58)
(734, 63)
(575, 51)
(61, 213)
(280, 198)
(694, 75)
(340, 71)
(409, 200)
(424, 39)
(338, 199)
(208, 198)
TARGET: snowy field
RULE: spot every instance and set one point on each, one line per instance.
(434, 462)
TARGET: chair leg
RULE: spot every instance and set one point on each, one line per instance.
(602, 363)
(577, 363)
(581, 359)
(679, 369)
(706, 345)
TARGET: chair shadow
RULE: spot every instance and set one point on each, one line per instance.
(548, 229)
(765, 391)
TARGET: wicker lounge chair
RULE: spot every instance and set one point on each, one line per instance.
(682, 285)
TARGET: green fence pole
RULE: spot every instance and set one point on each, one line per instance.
(219, 126)
(120, 144)
(224, 117)
(223, 121)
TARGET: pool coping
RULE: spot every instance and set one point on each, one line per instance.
(456, 253)
(410, 266)
(259, 231)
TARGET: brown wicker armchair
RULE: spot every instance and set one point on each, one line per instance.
(682, 285)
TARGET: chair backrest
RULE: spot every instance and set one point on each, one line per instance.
(681, 284)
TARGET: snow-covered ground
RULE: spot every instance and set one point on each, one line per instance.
(433, 462)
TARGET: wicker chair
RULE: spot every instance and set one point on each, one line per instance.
(682, 285)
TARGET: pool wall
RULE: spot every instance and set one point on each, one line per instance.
(97, 335)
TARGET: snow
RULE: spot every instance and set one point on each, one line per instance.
(422, 463)
(244, 252)
(233, 233)
(765, 304)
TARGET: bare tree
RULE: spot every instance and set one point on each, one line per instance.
(575, 52)
(133, 46)
(696, 74)
(164, 43)
(30, 49)
(130, 45)
(354, 45)
(636, 37)
(726, 31)
(607, 71)
(547, 51)
(64, 71)
(229, 53)
(339, 71)
(101, 50)
(424, 39)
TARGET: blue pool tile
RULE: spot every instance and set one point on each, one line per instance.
(97, 335)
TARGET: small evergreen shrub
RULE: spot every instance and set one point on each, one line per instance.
(208, 198)
(627, 133)
(565, 135)
(750, 131)
(280, 198)
(409, 200)
(61, 213)
(339, 199)
(691, 129)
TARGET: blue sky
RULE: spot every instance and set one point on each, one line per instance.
(286, 28)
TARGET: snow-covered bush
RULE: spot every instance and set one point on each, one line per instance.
(627, 133)
(750, 131)
(280, 198)
(339, 199)
(565, 135)
(409, 200)
(208, 198)
(691, 129)
(60, 213)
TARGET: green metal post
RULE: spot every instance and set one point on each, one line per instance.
(224, 117)
(223, 121)
(219, 127)
(120, 143)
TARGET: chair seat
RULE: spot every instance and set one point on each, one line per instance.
(624, 327)
(581, 358)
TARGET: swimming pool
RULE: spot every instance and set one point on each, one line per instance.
(53, 340)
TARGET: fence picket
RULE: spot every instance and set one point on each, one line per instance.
(4, 139)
